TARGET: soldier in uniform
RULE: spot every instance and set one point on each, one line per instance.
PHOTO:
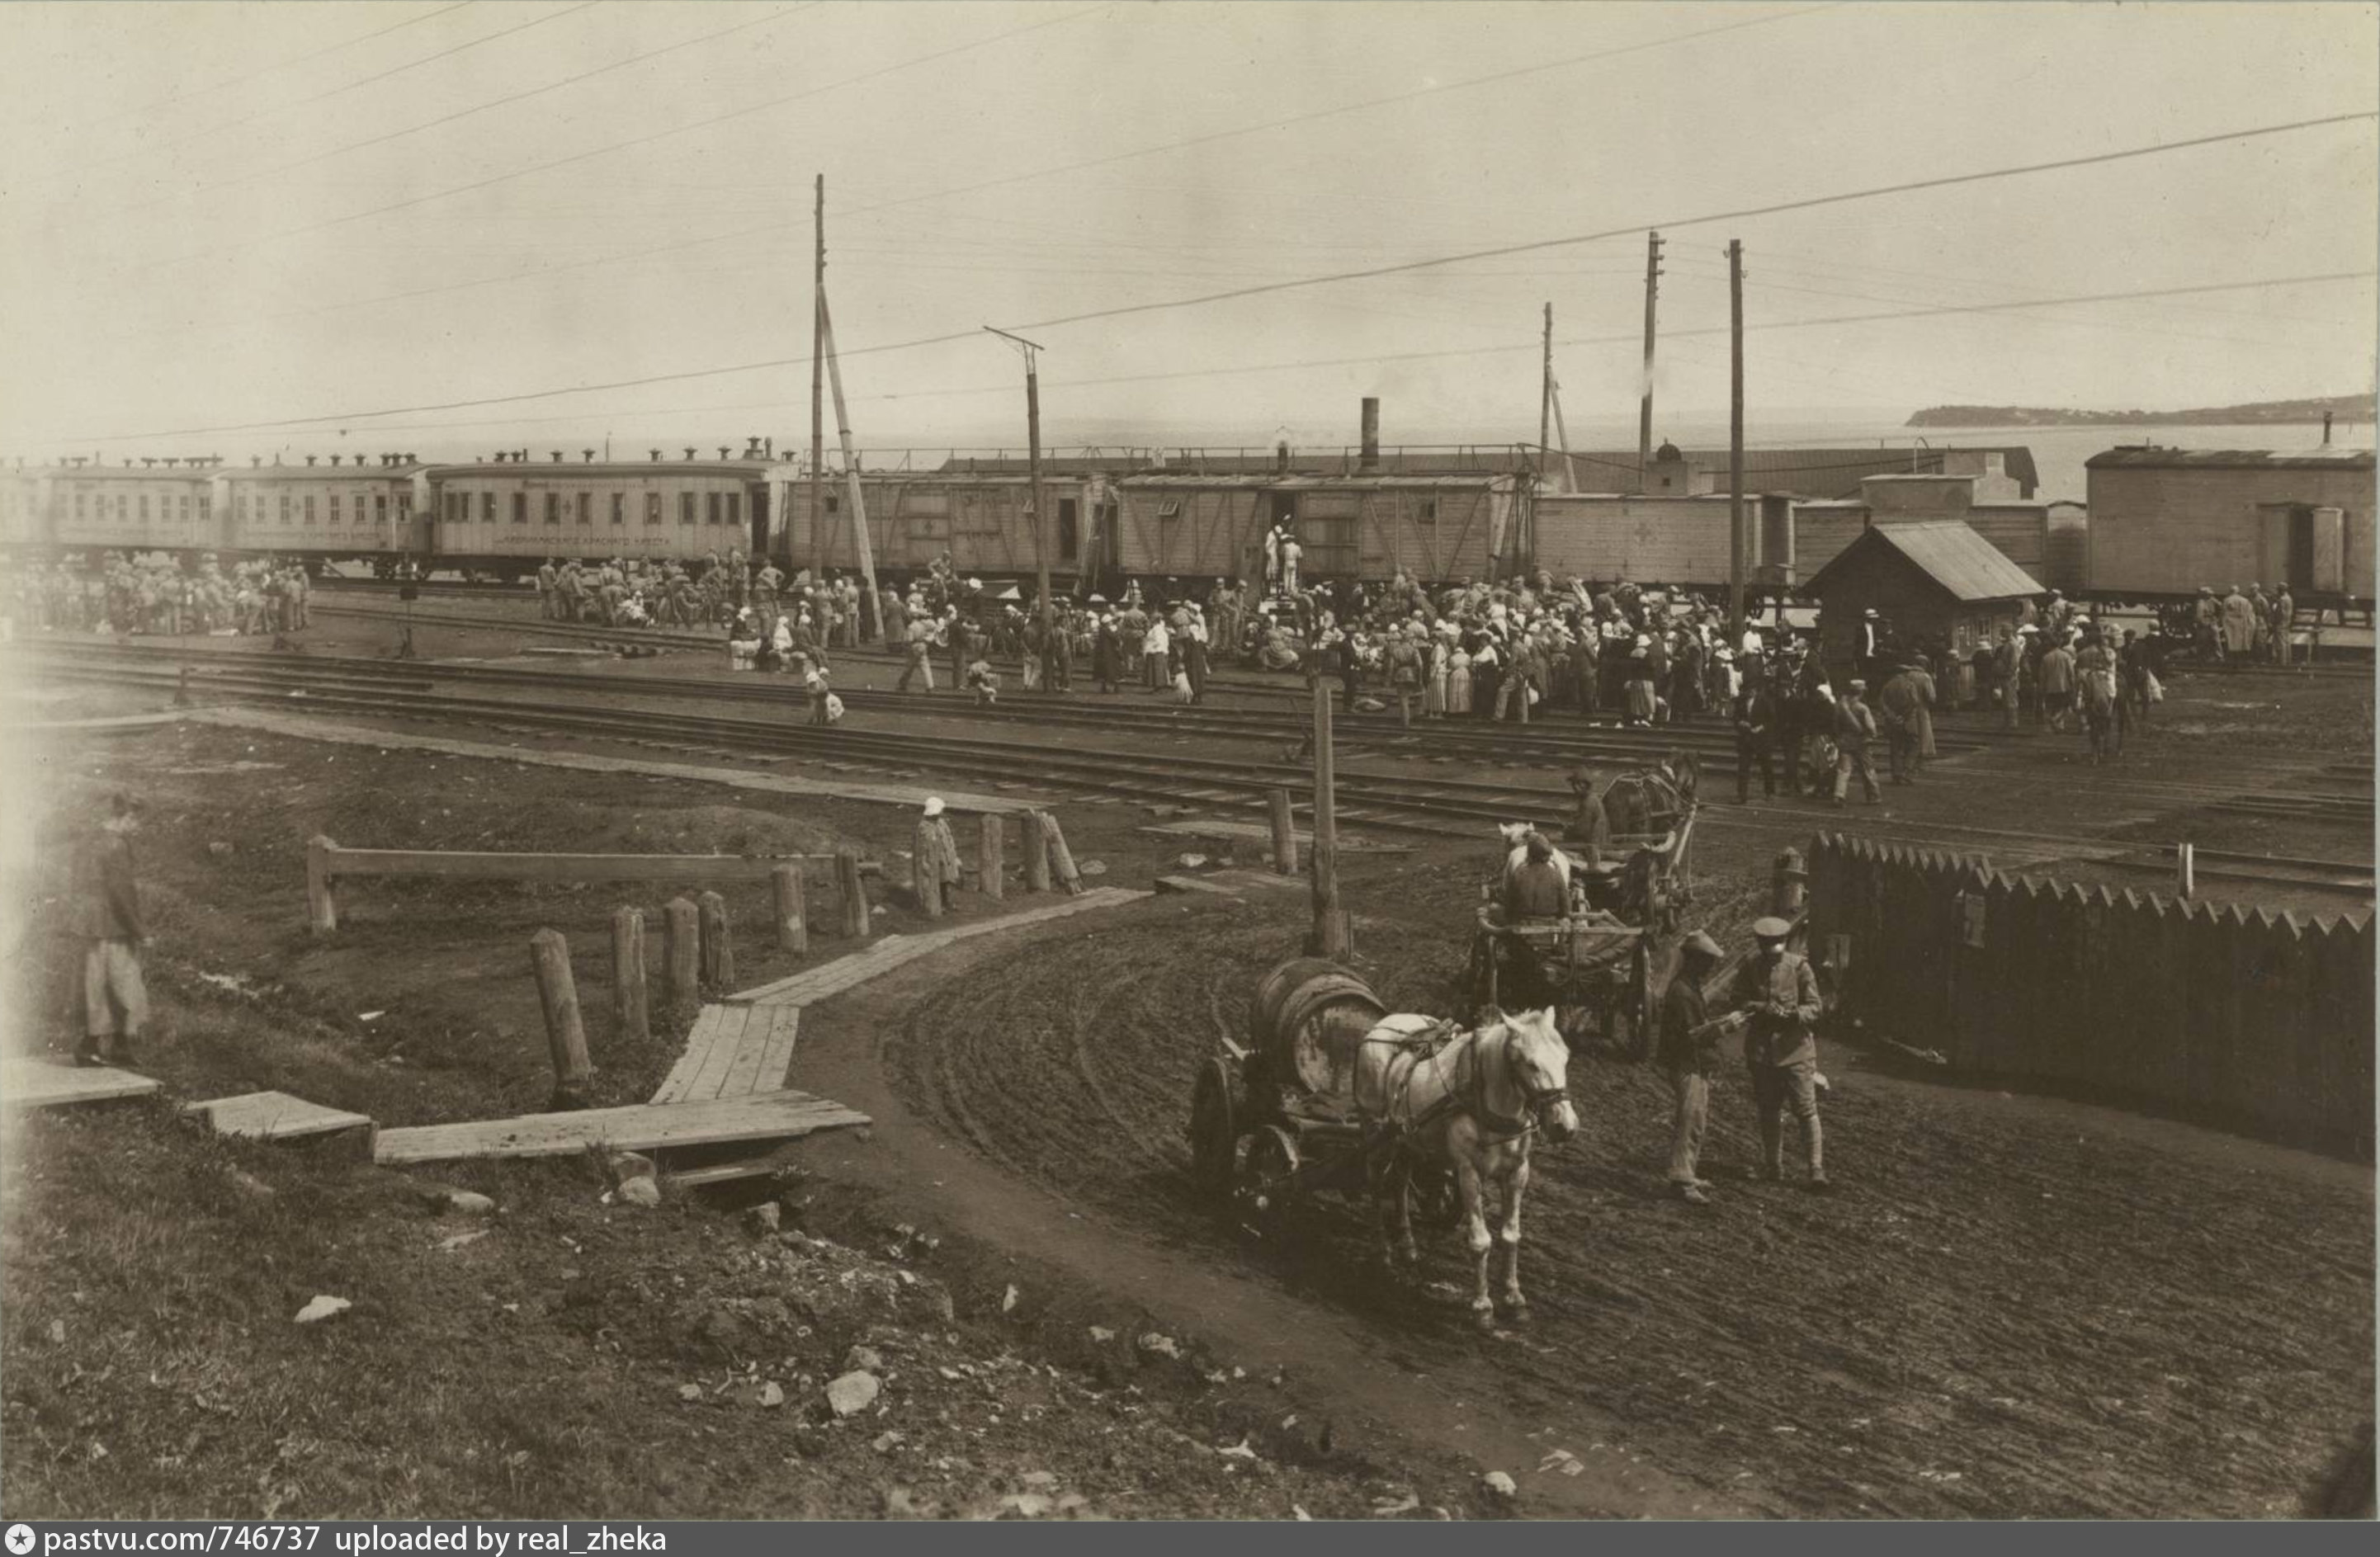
(1855, 728)
(548, 601)
(1777, 991)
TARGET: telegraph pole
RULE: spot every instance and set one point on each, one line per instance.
(1645, 412)
(817, 403)
(1545, 389)
(1033, 470)
(1735, 549)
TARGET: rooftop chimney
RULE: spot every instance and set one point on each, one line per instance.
(767, 448)
(588, 455)
(2325, 430)
(689, 454)
(1371, 433)
(657, 457)
(751, 448)
(723, 451)
(310, 459)
(556, 454)
(254, 460)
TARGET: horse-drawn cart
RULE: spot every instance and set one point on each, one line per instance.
(1595, 965)
(1277, 1121)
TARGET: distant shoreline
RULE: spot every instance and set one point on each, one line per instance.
(2346, 409)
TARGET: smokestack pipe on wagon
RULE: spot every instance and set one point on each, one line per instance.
(1371, 460)
(2325, 430)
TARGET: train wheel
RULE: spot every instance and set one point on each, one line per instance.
(1265, 1171)
(1216, 1111)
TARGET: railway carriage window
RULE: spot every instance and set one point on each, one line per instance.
(144, 507)
(334, 508)
(183, 507)
(488, 507)
(587, 507)
(652, 507)
(380, 509)
(619, 507)
(405, 506)
(711, 506)
(310, 507)
(77, 505)
(240, 507)
(685, 507)
(520, 507)
(554, 507)
(833, 504)
(284, 509)
(735, 507)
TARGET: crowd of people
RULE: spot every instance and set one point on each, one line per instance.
(153, 595)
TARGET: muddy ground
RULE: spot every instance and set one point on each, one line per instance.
(2015, 1305)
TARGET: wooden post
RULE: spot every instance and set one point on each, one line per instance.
(2186, 866)
(1334, 935)
(1036, 853)
(793, 931)
(566, 1036)
(718, 952)
(628, 1015)
(682, 955)
(321, 902)
(992, 854)
(926, 876)
(1736, 547)
(1061, 858)
(1284, 834)
(853, 892)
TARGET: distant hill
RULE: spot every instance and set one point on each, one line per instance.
(2345, 408)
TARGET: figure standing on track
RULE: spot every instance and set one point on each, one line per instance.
(107, 919)
(2239, 622)
(1689, 1052)
(919, 634)
(547, 600)
(2095, 673)
(1192, 647)
(1908, 720)
(2056, 685)
(2285, 615)
(1776, 990)
(1755, 721)
(1855, 728)
(1589, 833)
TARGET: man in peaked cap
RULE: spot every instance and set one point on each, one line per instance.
(1689, 1052)
(1778, 993)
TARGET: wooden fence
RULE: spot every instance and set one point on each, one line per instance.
(2251, 1018)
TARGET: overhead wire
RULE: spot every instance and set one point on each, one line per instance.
(1302, 364)
(576, 157)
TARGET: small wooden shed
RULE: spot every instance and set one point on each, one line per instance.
(1929, 578)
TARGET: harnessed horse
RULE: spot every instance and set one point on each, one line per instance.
(1473, 1104)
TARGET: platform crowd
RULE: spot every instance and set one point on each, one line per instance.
(153, 595)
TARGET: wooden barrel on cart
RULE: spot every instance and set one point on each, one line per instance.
(1306, 1021)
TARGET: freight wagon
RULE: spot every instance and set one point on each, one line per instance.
(915, 517)
(2166, 523)
(1440, 529)
(1655, 539)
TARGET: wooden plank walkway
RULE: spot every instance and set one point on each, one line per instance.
(779, 1116)
(280, 1116)
(895, 951)
(29, 1082)
(911, 795)
(734, 1052)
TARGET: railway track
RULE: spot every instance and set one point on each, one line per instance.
(1552, 743)
(1450, 807)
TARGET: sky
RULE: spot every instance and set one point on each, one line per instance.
(425, 225)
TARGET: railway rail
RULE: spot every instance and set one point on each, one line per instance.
(1453, 808)
(1559, 742)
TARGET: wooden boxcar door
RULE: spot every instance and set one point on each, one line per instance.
(2325, 534)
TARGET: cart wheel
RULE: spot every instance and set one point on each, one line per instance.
(1216, 1111)
(1640, 999)
(1266, 1169)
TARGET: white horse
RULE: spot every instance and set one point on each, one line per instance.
(1471, 1103)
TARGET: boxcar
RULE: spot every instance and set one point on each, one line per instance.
(1657, 538)
(2166, 522)
(1437, 528)
(915, 517)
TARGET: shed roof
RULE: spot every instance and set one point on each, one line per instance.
(2147, 457)
(1966, 565)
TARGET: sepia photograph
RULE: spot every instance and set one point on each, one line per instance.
(1061, 760)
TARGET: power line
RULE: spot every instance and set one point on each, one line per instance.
(267, 71)
(620, 145)
(1345, 108)
(479, 108)
(1774, 208)
(777, 362)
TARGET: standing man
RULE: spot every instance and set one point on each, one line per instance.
(546, 599)
(1590, 825)
(1777, 991)
(920, 635)
(1193, 648)
(1689, 1052)
(2057, 684)
(1289, 554)
(107, 919)
(1867, 636)
(935, 854)
(2284, 613)
(1905, 702)
(1855, 728)
(1754, 741)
